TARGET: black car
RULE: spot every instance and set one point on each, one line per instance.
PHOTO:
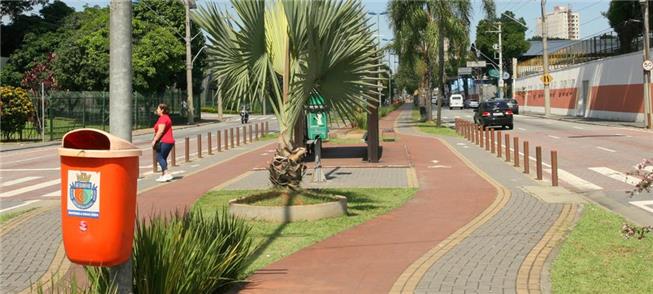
(494, 113)
(513, 104)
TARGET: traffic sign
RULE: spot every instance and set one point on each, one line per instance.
(506, 75)
(464, 71)
(647, 65)
(476, 63)
(546, 79)
(493, 73)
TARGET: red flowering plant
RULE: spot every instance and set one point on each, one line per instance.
(644, 171)
(40, 73)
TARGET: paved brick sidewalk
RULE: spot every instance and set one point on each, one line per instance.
(488, 260)
(29, 249)
(369, 258)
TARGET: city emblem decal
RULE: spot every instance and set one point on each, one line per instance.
(83, 193)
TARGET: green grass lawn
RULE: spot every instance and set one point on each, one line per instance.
(430, 128)
(5, 217)
(596, 258)
(280, 240)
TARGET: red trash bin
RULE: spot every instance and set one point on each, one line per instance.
(99, 173)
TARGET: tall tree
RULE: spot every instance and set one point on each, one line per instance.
(421, 28)
(16, 8)
(318, 49)
(49, 19)
(623, 17)
(514, 42)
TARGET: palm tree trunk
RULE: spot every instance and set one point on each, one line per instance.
(429, 87)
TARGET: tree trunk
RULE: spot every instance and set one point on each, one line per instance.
(442, 75)
(429, 89)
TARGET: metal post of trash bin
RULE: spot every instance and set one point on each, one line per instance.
(318, 173)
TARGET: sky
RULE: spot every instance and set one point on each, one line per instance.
(591, 20)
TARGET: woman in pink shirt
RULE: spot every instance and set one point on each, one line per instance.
(163, 141)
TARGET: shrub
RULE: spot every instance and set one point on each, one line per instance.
(15, 109)
(186, 253)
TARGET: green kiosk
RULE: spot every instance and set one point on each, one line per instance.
(317, 131)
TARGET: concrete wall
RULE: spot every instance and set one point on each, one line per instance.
(614, 90)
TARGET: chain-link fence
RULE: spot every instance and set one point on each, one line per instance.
(65, 111)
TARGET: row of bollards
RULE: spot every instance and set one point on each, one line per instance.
(486, 138)
(255, 133)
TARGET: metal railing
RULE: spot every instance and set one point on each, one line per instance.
(66, 111)
(585, 50)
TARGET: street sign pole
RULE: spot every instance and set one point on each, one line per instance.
(500, 64)
(120, 102)
(545, 61)
(648, 121)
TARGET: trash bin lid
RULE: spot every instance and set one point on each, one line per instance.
(96, 144)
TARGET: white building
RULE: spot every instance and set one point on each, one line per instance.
(562, 24)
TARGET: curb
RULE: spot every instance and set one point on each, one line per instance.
(530, 271)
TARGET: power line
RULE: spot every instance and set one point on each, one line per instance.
(162, 18)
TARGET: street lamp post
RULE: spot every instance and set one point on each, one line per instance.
(545, 61)
(188, 4)
(500, 49)
(648, 121)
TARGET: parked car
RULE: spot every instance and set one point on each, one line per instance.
(469, 103)
(513, 104)
(456, 100)
(494, 113)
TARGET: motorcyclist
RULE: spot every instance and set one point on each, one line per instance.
(244, 115)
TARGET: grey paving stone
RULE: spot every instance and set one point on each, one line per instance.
(395, 177)
(28, 251)
(494, 252)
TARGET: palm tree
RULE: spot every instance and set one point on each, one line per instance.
(420, 25)
(288, 52)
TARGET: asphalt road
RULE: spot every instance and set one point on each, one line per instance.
(31, 175)
(593, 159)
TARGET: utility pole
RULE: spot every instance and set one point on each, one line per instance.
(514, 76)
(545, 61)
(120, 101)
(220, 112)
(189, 66)
(390, 77)
(648, 121)
(500, 63)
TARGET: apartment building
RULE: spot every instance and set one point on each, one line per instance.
(562, 23)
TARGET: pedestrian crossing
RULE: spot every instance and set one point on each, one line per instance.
(18, 181)
(30, 188)
(38, 186)
(619, 176)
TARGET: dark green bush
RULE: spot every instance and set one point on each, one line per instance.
(15, 109)
(187, 253)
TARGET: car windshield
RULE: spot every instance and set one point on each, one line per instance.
(496, 104)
